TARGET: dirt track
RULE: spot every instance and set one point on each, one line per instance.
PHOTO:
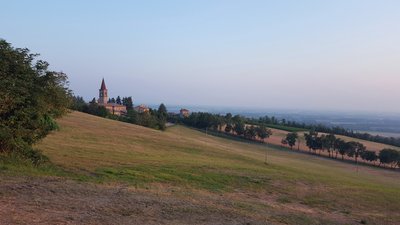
(58, 201)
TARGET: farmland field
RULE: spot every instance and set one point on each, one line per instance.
(107, 172)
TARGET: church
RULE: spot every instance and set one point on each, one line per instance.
(113, 108)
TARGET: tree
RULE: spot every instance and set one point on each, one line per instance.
(337, 145)
(328, 143)
(228, 117)
(369, 156)
(162, 110)
(313, 142)
(343, 147)
(351, 148)
(250, 132)
(263, 132)
(162, 115)
(360, 148)
(291, 139)
(31, 98)
(389, 156)
(78, 103)
(127, 101)
(93, 101)
(355, 150)
(284, 141)
(118, 101)
(239, 128)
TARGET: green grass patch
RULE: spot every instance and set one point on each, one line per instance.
(195, 177)
(286, 128)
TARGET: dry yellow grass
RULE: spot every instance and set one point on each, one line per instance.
(224, 174)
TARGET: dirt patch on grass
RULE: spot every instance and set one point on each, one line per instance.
(58, 201)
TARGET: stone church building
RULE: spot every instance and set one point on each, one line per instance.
(114, 108)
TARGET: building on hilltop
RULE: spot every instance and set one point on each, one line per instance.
(141, 108)
(184, 113)
(114, 108)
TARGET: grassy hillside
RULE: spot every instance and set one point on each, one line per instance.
(217, 174)
(277, 136)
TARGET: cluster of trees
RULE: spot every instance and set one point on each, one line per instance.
(326, 129)
(336, 146)
(155, 119)
(31, 98)
(234, 125)
(126, 101)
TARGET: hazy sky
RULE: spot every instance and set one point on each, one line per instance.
(324, 55)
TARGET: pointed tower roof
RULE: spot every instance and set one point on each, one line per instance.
(103, 85)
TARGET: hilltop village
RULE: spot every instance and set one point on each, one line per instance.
(120, 107)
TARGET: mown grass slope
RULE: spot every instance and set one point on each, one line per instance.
(292, 188)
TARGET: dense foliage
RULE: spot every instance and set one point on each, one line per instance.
(155, 119)
(31, 97)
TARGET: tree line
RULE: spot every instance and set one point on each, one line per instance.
(337, 146)
(154, 118)
(31, 98)
(326, 129)
(235, 125)
(243, 127)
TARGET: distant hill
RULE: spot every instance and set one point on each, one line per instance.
(109, 172)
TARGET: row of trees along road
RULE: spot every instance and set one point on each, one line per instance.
(235, 125)
(31, 98)
(336, 146)
(273, 121)
(238, 126)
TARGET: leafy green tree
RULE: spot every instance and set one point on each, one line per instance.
(344, 148)
(250, 132)
(162, 110)
(162, 115)
(328, 143)
(291, 139)
(132, 116)
(263, 132)
(78, 103)
(313, 142)
(389, 156)
(128, 102)
(355, 150)
(118, 100)
(369, 156)
(351, 150)
(337, 145)
(239, 128)
(360, 148)
(228, 117)
(31, 98)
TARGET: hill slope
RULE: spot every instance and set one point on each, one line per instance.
(135, 174)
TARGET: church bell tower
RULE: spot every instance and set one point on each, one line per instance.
(103, 96)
